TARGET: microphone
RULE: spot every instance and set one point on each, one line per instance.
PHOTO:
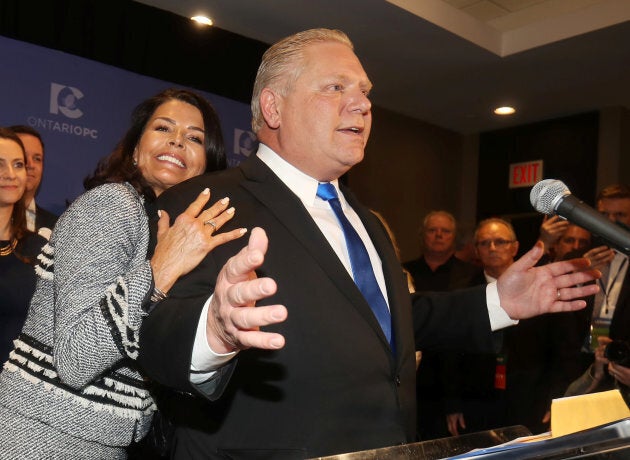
(551, 196)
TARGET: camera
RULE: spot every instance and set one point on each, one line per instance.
(618, 352)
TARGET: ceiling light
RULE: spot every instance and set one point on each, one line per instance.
(206, 21)
(504, 110)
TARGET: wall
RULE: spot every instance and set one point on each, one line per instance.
(411, 168)
(419, 165)
(613, 164)
(624, 147)
(568, 148)
(139, 38)
(81, 108)
(586, 151)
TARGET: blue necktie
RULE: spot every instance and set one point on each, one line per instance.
(360, 261)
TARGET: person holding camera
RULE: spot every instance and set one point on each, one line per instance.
(618, 354)
(611, 369)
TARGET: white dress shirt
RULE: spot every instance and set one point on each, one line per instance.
(31, 216)
(31, 212)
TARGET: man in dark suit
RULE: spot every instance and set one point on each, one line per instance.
(436, 270)
(321, 377)
(474, 382)
(614, 298)
(609, 310)
(38, 219)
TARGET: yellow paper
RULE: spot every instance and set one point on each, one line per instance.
(577, 413)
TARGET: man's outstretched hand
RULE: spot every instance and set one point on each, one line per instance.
(526, 290)
(233, 323)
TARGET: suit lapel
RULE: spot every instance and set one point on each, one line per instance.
(274, 195)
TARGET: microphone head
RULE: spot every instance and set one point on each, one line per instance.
(546, 194)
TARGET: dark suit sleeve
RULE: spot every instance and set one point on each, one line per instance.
(166, 341)
(455, 321)
(450, 375)
(44, 218)
(565, 343)
(167, 336)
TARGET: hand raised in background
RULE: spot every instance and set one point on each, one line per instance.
(600, 256)
(551, 230)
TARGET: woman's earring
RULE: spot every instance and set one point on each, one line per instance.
(135, 162)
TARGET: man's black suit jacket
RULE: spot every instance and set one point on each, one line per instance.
(44, 218)
(336, 386)
(620, 324)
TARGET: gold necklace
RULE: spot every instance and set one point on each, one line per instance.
(9, 248)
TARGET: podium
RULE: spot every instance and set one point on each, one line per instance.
(610, 442)
(438, 448)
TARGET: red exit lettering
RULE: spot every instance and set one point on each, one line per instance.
(525, 174)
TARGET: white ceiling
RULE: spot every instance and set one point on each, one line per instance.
(449, 62)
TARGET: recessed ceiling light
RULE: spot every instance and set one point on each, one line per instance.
(206, 21)
(504, 110)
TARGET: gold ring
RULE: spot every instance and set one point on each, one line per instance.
(212, 223)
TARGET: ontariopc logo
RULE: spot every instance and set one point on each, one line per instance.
(65, 102)
(63, 99)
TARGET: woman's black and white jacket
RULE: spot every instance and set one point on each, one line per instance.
(73, 366)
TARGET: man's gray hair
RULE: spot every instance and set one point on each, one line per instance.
(495, 220)
(282, 64)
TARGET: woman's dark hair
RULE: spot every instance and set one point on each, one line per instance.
(18, 215)
(118, 166)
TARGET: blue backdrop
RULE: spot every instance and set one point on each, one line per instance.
(82, 108)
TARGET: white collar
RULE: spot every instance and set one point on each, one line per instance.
(32, 207)
(303, 185)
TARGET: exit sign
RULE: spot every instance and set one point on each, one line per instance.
(525, 174)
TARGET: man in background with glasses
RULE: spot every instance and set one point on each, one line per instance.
(474, 383)
(534, 361)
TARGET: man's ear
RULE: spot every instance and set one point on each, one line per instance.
(270, 107)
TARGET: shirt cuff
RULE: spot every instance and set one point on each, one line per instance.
(205, 362)
(499, 318)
